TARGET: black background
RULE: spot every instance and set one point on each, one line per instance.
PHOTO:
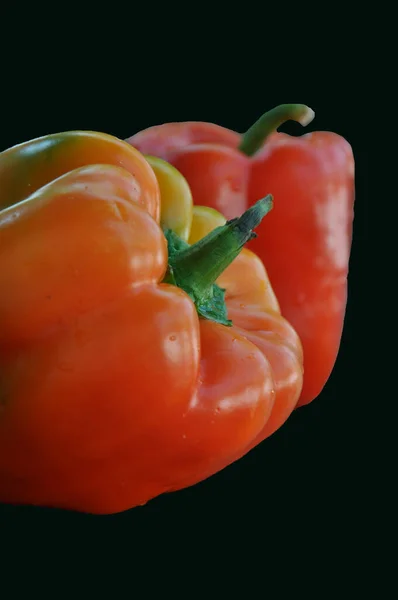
(302, 492)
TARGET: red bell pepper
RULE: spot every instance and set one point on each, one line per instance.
(305, 243)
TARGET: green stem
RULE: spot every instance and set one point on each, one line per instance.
(196, 268)
(255, 136)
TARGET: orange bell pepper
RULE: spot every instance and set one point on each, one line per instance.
(122, 374)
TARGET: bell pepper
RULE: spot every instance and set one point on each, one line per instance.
(134, 362)
(305, 243)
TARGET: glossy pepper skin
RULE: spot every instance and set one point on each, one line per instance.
(305, 242)
(113, 390)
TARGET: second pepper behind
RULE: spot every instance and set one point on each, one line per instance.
(305, 243)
